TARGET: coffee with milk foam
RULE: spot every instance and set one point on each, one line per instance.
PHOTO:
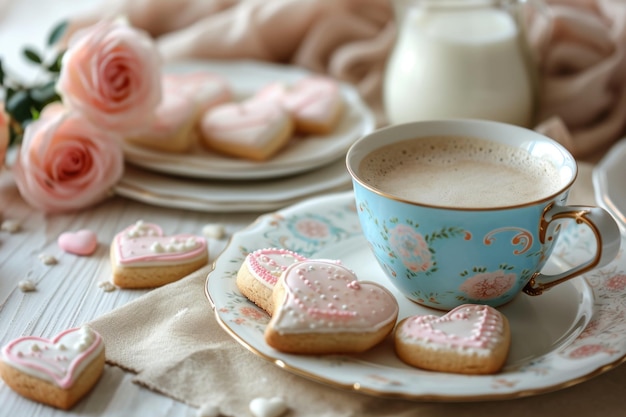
(459, 172)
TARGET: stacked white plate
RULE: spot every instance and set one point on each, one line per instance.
(206, 181)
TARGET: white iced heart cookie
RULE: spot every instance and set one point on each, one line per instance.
(57, 372)
(268, 407)
(314, 102)
(471, 338)
(252, 129)
(259, 272)
(320, 307)
(142, 257)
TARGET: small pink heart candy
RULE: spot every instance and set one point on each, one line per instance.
(83, 242)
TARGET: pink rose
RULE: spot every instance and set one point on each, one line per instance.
(4, 134)
(111, 72)
(67, 163)
(488, 285)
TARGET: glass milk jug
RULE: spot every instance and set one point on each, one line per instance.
(460, 59)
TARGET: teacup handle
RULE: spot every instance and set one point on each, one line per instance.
(605, 230)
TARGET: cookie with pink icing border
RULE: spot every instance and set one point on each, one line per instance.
(321, 308)
(143, 257)
(57, 372)
(259, 272)
(470, 339)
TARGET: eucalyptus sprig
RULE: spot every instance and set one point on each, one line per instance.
(23, 103)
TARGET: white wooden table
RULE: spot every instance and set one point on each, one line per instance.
(68, 295)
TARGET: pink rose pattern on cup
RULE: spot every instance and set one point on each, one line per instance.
(411, 248)
(404, 243)
(111, 73)
(488, 285)
(65, 162)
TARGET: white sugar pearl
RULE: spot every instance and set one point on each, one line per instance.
(48, 259)
(214, 231)
(11, 226)
(27, 285)
(106, 286)
(268, 407)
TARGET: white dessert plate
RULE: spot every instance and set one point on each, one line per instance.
(230, 196)
(609, 181)
(565, 336)
(301, 154)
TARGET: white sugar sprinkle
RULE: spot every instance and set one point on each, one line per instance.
(27, 285)
(106, 286)
(48, 259)
(11, 226)
(214, 230)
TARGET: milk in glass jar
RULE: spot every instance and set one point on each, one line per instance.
(460, 59)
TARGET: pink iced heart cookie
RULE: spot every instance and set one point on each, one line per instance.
(143, 258)
(471, 339)
(56, 372)
(320, 307)
(259, 272)
(253, 129)
(314, 102)
(83, 242)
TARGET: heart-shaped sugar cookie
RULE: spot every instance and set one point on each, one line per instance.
(252, 129)
(60, 360)
(266, 265)
(84, 242)
(322, 297)
(144, 243)
(471, 338)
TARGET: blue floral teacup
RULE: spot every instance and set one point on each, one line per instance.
(441, 252)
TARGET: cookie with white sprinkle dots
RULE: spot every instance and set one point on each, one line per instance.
(321, 308)
(143, 257)
(57, 372)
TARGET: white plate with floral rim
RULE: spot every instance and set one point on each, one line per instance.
(301, 153)
(565, 336)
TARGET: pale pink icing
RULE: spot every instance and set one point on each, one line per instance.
(144, 244)
(313, 98)
(60, 360)
(206, 89)
(469, 327)
(250, 123)
(323, 296)
(266, 265)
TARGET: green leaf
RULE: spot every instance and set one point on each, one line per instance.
(44, 94)
(19, 105)
(32, 55)
(57, 33)
(55, 67)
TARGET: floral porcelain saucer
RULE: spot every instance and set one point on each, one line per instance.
(565, 336)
